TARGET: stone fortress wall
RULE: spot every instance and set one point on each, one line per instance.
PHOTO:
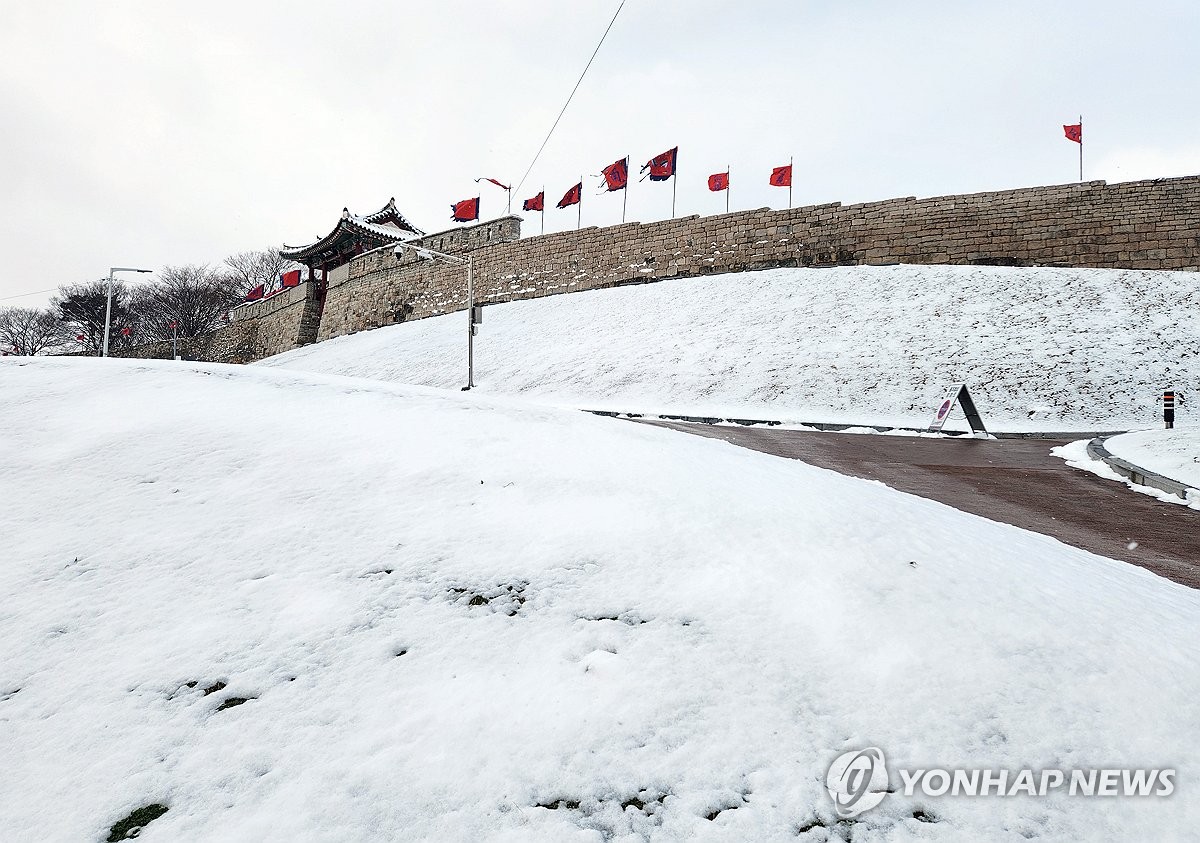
(1135, 225)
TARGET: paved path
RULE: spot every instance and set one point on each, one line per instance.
(1016, 481)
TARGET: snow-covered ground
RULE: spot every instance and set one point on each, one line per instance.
(288, 606)
(1040, 349)
(1171, 453)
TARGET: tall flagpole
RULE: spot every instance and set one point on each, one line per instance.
(1080, 147)
(510, 200)
(625, 197)
(791, 178)
(579, 209)
(674, 181)
(543, 209)
(728, 183)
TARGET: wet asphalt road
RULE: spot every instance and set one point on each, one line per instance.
(1016, 481)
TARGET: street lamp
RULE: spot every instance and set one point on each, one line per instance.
(108, 302)
(430, 254)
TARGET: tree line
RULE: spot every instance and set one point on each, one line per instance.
(184, 301)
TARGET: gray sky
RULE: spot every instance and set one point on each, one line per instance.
(162, 132)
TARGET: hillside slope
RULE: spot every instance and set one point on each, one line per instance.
(1040, 348)
(292, 607)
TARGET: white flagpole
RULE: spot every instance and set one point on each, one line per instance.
(728, 185)
(625, 197)
(579, 208)
(1081, 147)
(791, 178)
(674, 181)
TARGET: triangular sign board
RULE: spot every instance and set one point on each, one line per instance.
(962, 396)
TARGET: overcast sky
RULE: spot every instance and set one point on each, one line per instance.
(162, 132)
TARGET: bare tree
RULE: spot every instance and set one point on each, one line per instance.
(253, 268)
(80, 309)
(195, 297)
(29, 331)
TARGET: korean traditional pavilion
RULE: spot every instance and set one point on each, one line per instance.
(352, 236)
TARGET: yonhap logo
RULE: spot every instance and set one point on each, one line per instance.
(857, 781)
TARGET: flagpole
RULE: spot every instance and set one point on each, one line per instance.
(625, 196)
(1081, 148)
(791, 178)
(510, 200)
(579, 210)
(543, 209)
(674, 181)
(728, 182)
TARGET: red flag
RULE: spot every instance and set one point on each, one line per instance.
(661, 167)
(493, 181)
(255, 294)
(173, 325)
(290, 279)
(616, 175)
(537, 203)
(1074, 132)
(718, 181)
(572, 196)
(466, 210)
(80, 337)
(782, 176)
(125, 332)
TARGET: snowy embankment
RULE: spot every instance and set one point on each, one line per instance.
(285, 606)
(1040, 349)
(1171, 453)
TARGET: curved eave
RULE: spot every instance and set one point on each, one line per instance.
(347, 229)
(390, 213)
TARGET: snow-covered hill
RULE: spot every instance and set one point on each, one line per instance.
(1040, 348)
(286, 606)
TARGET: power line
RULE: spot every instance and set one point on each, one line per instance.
(23, 295)
(572, 96)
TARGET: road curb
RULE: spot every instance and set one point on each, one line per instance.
(1135, 473)
(831, 427)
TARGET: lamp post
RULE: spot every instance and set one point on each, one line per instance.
(108, 301)
(472, 318)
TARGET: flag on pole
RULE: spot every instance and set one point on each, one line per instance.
(1074, 132)
(290, 279)
(506, 188)
(255, 294)
(466, 210)
(661, 167)
(718, 182)
(537, 203)
(616, 175)
(572, 196)
(782, 176)
(125, 332)
(80, 337)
